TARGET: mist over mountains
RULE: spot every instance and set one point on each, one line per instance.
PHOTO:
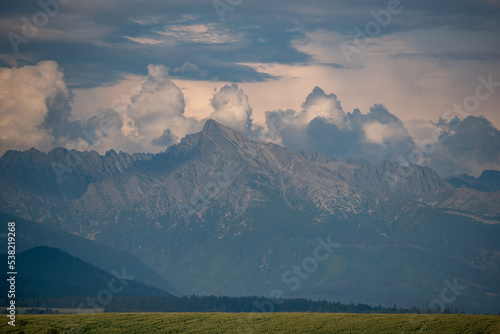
(223, 214)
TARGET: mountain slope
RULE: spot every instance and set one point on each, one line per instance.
(50, 272)
(30, 235)
(220, 213)
(44, 180)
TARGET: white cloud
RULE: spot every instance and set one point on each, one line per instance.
(147, 20)
(27, 96)
(232, 109)
(380, 134)
(149, 118)
(143, 40)
(318, 104)
(199, 33)
(158, 107)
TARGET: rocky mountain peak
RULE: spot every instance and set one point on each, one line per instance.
(212, 125)
(221, 140)
(217, 132)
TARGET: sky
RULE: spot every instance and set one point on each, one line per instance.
(408, 81)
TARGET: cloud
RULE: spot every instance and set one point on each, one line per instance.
(143, 40)
(408, 87)
(210, 33)
(155, 116)
(191, 70)
(166, 139)
(328, 107)
(150, 119)
(472, 145)
(35, 106)
(380, 134)
(36, 111)
(62, 27)
(231, 108)
(323, 126)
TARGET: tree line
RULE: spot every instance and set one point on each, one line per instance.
(196, 303)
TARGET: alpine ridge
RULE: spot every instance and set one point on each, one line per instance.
(220, 213)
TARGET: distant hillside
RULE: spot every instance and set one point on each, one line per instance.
(488, 181)
(30, 234)
(50, 272)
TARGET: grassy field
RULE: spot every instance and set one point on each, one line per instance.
(22, 310)
(252, 323)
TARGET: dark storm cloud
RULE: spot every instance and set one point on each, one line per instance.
(57, 120)
(110, 42)
(451, 56)
(166, 139)
(322, 126)
(96, 48)
(471, 146)
(352, 142)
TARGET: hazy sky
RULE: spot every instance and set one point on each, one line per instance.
(139, 75)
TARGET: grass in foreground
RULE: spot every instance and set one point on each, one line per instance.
(252, 323)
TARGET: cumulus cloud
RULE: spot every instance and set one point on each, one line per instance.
(154, 119)
(150, 119)
(323, 126)
(35, 105)
(35, 110)
(158, 102)
(470, 146)
(231, 108)
(328, 107)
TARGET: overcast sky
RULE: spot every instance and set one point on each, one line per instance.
(350, 78)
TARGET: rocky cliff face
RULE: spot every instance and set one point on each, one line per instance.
(238, 170)
(32, 182)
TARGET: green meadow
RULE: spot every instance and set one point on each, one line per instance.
(252, 323)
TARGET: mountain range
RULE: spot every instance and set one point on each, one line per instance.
(220, 213)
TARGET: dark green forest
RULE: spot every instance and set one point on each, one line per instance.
(195, 303)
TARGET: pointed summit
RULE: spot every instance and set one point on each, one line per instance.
(212, 126)
(219, 138)
(217, 131)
